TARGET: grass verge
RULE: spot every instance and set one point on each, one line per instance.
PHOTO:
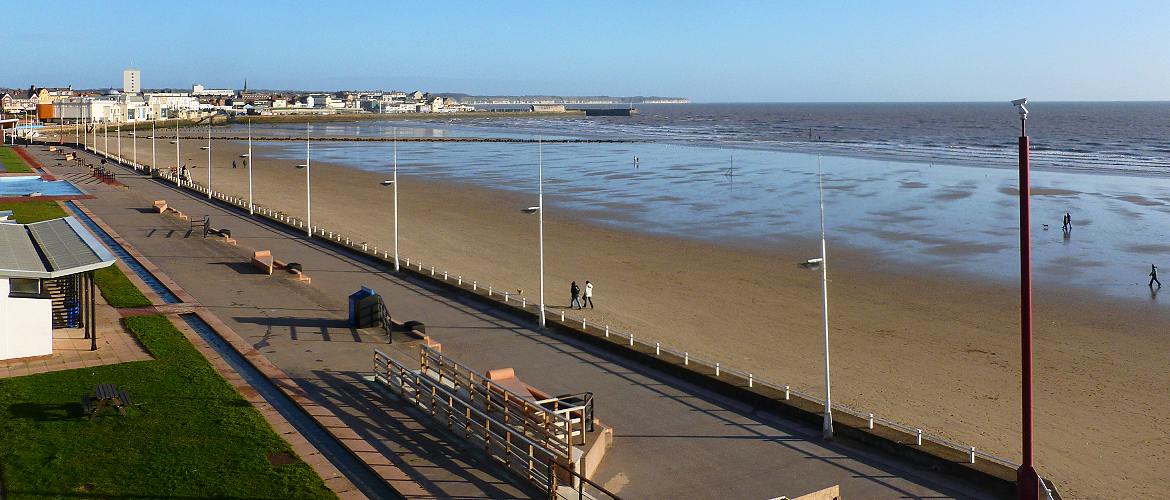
(13, 163)
(27, 212)
(192, 435)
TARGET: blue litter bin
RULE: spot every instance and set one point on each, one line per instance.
(364, 308)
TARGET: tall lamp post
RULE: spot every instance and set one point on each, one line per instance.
(308, 187)
(539, 210)
(106, 140)
(119, 131)
(251, 207)
(393, 183)
(1027, 481)
(208, 148)
(823, 264)
(153, 150)
(134, 147)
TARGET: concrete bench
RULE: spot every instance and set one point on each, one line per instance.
(262, 260)
(160, 206)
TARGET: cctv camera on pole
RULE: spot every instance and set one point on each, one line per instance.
(1027, 481)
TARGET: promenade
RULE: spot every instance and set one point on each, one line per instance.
(671, 439)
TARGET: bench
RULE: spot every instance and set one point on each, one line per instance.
(160, 206)
(262, 260)
(106, 397)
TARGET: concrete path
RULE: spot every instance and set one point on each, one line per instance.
(672, 439)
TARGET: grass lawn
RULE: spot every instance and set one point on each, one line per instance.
(192, 437)
(27, 212)
(13, 162)
(115, 287)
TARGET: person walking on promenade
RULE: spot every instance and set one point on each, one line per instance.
(1154, 276)
(1067, 226)
(588, 295)
(575, 292)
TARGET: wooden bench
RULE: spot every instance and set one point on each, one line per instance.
(106, 397)
(262, 260)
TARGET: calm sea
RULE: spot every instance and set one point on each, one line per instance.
(915, 184)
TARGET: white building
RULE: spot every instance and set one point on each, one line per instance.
(167, 105)
(46, 282)
(319, 101)
(131, 81)
(110, 108)
(200, 90)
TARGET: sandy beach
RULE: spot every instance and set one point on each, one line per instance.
(929, 349)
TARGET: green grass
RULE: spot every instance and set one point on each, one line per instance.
(193, 435)
(117, 288)
(13, 162)
(27, 212)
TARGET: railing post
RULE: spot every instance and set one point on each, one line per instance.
(971, 455)
(631, 340)
(657, 348)
(523, 302)
(474, 284)
(751, 380)
(716, 368)
(686, 358)
(607, 331)
(918, 436)
(787, 393)
(869, 421)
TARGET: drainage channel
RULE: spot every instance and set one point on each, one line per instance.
(357, 472)
(155, 285)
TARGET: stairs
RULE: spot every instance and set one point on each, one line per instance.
(63, 292)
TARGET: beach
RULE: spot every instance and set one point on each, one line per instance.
(926, 347)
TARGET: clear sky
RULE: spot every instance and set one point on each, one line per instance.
(708, 51)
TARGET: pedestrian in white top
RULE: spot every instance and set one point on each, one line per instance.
(588, 295)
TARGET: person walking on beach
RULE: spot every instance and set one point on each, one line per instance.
(575, 292)
(1154, 276)
(1067, 226)
(588, 295)
(233, 163)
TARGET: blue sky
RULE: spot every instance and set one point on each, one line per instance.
(708, 51)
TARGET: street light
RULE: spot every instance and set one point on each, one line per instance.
(1027, 481)
(822, 263)
(134, 147)
(119, 131)
(394, 183)
(251, 207)
(308, 187)
(539, 211)
(208, 148)
(153, 150)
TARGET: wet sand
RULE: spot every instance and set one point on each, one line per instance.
(927, 348)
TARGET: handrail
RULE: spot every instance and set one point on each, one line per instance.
(384, 314)
(581, 481)
(500, 441)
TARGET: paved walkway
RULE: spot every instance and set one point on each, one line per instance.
(671, 439)
(71, 348)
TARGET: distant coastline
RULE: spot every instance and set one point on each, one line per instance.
(552, 99)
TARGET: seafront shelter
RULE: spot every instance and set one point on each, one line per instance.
(46, 283)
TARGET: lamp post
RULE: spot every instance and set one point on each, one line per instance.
(251, 207)
(1027, 481)
(393, 183)
(208, 148)
(823, 264)
(308, 187)
(153, 150)
(119, 131)
(134, 147)
(539, 210)
(177, 146)
(106, 140)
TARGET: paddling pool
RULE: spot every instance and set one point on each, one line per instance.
(23, 185)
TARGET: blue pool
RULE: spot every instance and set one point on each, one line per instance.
(23, 185)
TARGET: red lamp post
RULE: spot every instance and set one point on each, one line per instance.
(1027, 481)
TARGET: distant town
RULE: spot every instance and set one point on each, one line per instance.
(48, 105)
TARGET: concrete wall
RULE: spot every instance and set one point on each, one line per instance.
(26, 325)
